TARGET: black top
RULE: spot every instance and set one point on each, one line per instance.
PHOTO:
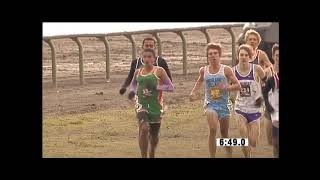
(270, 84)
(137, 63)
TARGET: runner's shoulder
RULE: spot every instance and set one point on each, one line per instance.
(228, 69)
(160, 69)
(201, 70)
(162, 61)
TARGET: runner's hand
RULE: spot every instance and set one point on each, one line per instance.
(122, 90)
(193, 97)
(258, 102)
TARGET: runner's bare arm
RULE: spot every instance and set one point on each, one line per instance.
(260, 72)
(266, 64)
(262, 76)
(167, 84)
(195, 91)
(235, 84)
(233, 94)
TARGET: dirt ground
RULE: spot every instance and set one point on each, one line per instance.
(97, 95)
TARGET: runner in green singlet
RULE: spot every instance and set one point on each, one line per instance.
(150, 81)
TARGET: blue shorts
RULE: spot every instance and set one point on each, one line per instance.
(251, 117)
(223, 111)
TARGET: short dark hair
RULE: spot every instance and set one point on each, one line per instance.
(148, 39)
(247, 48)
(150, 50)
(274, 48)
(214, 46)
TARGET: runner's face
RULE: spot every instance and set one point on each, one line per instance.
(148, 59)
(276, 57)
(148, 44)
(252, 40)
(243, 56)
(213, 56)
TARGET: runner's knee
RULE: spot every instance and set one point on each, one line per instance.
(213, 131)
(224, 132)
(144, 128)
(253, 142)
(154, 140)
(154, 129)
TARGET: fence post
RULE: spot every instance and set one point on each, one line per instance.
(184, 49)
(107, 46)
(233, 39)
(205, 32)
(156, 35)
(130, 36)
(53, 62)
(133, 45)
(77, 40)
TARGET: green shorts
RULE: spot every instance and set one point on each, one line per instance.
(143, 114)
(154, 126)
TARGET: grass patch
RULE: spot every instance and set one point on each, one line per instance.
(113, 133)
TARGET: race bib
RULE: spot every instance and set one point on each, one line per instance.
(215, 93)
(245, 90)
